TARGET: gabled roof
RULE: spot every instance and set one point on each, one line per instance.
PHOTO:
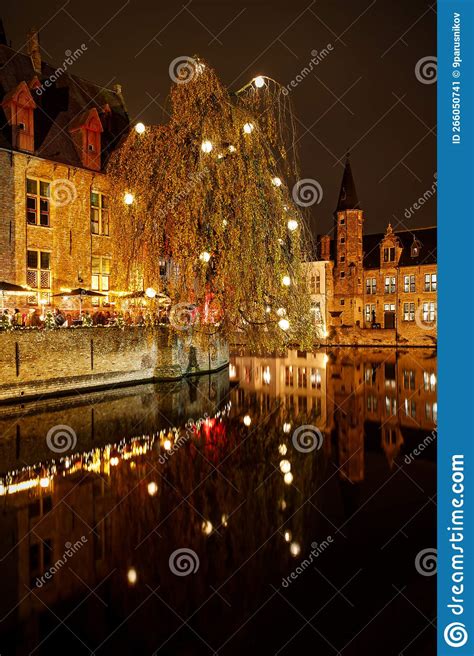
(59, 106)
(348, 199)
(427, 247)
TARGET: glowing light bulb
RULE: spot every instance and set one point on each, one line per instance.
(132, 576)
(286, 280)
(152, 488)
(247, 420)
(207, 527)
(259, 82)
(276, 181)
(128, 198)
(44, 482)
(295, 549)
(140, 128)
(288, 478)
(285, 466)
(114, 461)
(167, 445)
(287, 536)
(282, 449)
(286, 427)
(206, 146)
(205, 256)
(292, 225)
(284, 324)
(248, 128)
(150, 292)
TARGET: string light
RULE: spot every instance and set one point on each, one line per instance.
(284, 324)
(128, 198)
(286, 281)
(288, 478)
(276, 181)
(206, 146)
(285, 466)
(282, 449)
(140, 128)
(248, 128)
(292, 225)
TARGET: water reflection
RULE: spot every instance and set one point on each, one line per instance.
(143, 481)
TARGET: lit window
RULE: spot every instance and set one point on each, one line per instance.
(429, 381)
(37, 202)
(100, 280)
(38, 276)
(429, 311)
(389, 254)
(99, 214)
(370, 313)
(409, 283)
(390, 284)
(408, 312)
(371, 285)
(408, 379)
(430, 282)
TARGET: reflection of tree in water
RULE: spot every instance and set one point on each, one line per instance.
(229, 476)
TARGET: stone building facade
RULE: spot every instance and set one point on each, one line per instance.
(384, 282)
(58, 132)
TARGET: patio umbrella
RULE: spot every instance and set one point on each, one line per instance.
(11, 288)
(81, 292)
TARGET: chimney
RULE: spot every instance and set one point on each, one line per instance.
(325, 248)
(118, 90)
(33, 49)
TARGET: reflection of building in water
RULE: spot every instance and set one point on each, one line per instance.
(297, 380)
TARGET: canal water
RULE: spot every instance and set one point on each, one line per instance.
(280, 505)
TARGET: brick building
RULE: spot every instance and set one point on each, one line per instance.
(386, 281)
(57, 133)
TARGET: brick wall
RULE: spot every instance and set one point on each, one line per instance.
(40, 362)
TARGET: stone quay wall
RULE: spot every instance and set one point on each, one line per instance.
(35, 363)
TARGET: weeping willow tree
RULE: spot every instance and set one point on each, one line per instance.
(211, 193)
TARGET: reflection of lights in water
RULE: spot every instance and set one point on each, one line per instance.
(282, 504)
(285, 466)
(224, 519)
(286, 427)
(282, 449)
(132, 576)
(114, 461)
(44, 482)
(67, 463)
(267, 376)
(288, 478)
(295, 549)
(232, 371)
(152, 488)
(433, 379)
(326, 358)
(247, 420)
(207, 527)
(167, 445)
(287, 536)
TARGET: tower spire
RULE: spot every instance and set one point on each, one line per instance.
(348, 199)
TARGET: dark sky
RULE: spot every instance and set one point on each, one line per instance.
(364, 95)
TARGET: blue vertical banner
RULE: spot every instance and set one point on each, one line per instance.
(455, 327)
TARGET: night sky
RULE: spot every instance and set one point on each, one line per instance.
(364, 95)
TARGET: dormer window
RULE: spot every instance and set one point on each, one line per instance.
(86, 133)
(415, 248)
(19, 106)
(389, 254)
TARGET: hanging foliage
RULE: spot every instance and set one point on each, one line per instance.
(210, 193)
